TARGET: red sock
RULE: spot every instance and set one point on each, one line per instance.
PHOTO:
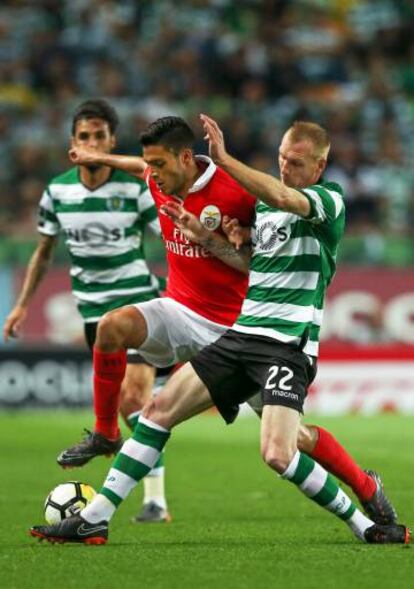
(109, 372)
(335, 459)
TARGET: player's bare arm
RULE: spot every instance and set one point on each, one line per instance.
(82, 156)
(221, 248)
(265, 187)
(36, 269)
(215, 243)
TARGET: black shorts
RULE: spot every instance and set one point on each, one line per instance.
(132, 356)
(237, 365)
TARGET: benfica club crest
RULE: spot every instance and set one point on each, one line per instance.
(210, 217)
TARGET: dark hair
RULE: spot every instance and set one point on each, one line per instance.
(170, 132)
(96, 109)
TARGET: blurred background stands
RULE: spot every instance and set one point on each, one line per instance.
(256, 65)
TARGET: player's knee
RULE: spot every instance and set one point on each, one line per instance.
(277, 455)
(112, 330)
(149, 411)
(307, 438)
(161, 411)
(156, 412)
(133, 395)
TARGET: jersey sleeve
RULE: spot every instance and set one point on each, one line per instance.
(148, 212)
(47, 223)
(147, 174)
(326, 204)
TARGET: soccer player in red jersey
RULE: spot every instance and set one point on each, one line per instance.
(203, 297)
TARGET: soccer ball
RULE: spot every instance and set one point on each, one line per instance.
(66, 500)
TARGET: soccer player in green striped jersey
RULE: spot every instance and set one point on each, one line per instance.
(102, 215)
(271, 347)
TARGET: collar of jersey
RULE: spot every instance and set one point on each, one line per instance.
(109, 179)
(206, 176)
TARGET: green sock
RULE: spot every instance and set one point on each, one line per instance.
(132, 420)
(135, 460)
(317, 484)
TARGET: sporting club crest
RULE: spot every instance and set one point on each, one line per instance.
(115, 203)
(210, 217)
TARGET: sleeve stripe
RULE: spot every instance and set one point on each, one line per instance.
(325, 198)
(339, 203)
(47, 215)
(145, 200)
(48, 223)
(48, 230)
(336, 198)
(155, 226)
(149, 215)
(317, 202)
(317, 316)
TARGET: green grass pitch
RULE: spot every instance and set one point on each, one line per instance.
(235, 524)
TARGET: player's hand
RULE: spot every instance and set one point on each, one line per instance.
(214, 136)
(14, 322)
(188, 223)
(83, 156)
(235, 233)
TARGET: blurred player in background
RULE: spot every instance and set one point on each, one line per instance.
(204, 293)
(102, 214)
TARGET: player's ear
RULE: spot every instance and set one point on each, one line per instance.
(186, 156)
(321, 165)
(113, 141)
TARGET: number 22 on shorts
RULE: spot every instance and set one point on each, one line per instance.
(279, 377)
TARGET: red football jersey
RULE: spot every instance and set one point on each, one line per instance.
(196, 278)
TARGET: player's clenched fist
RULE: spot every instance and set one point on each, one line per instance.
(82, 156)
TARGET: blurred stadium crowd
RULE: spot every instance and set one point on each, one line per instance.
(256, 65)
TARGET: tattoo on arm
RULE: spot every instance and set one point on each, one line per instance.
(224, 248)
(227, 253)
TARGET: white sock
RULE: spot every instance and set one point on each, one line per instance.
(100, 508)
(132, 417)
(358, 522)
(154, 488)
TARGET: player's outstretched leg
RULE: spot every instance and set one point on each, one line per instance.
(323, 447)
(138, 387)
(117, 330)
(109, 372)
(185, 395)
(154, 508)
(279, 434)
(136, 458)
(315, 482)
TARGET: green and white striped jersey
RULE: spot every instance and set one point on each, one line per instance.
(293, 262)
(103, 231)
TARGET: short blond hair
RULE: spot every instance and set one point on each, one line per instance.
(302, 130)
